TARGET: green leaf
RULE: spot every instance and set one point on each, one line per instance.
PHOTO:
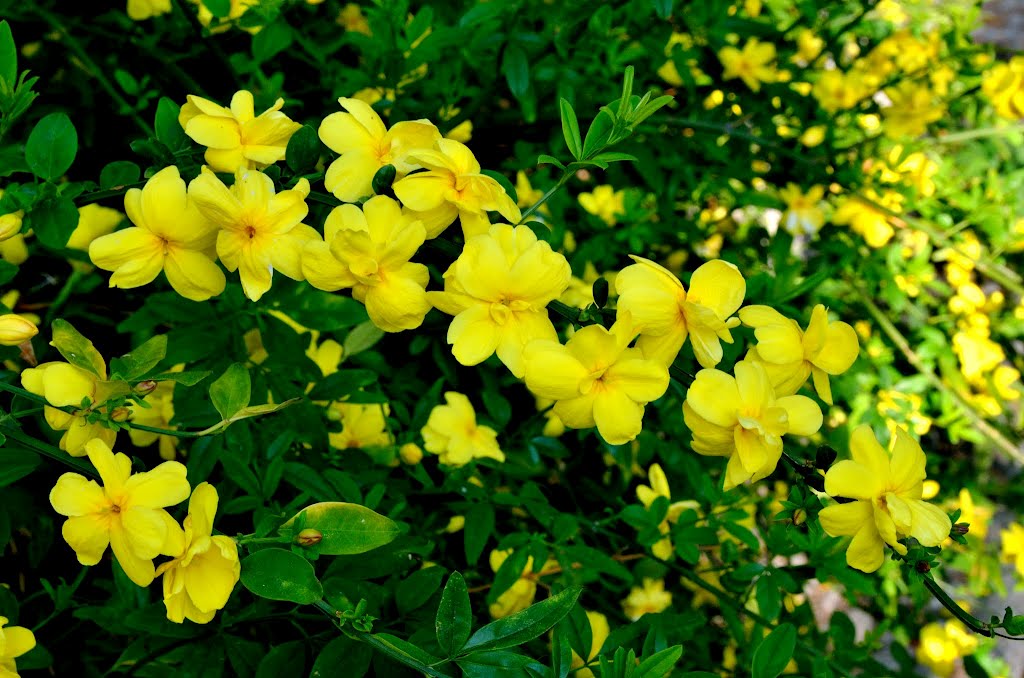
(134, 365)
(168, 130)
(774, 652)
(342, 653)
(326, 312)
(15, 463)
(500, 664)
(189, 378)
(8, 56)
(382, 179)
(272, 40)
(516, 69)
(598, 134)
(524, 626)
(362, 337)
(454, 619)
(545, 159)
(479, 525)
(278, 574)
(232, 390)
(286, 659)
(303, 150)
(659, 663)
(663, 8)
(53, 221)
(119, 173)
(7, 272)
(416, 589)
(614, 156)
(570, 128)
(346, 529)
(76, 349)
(342, 383)
(51, 146)
(219, 8)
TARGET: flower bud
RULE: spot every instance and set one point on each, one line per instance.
(309, 537)
(799, 516)
(922, 566)
(16, 329)
(410, 453)
(961, 528)
(10, 224)
(120, 414)
(145, 387)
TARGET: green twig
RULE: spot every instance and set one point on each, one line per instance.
(544, 198)
(981, 133)
(96, 196)
(46, 450)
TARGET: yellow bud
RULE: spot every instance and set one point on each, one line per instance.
(410, 453)
(309, 537)
(799, 516)
(455, 524)
(16, 329)
(120, 414)
(813, 136)
(145, 387)
(10, 224)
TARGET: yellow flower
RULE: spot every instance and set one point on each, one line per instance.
(126, 512)
(975, 515)
(199, 580)
(521, 594)
(365, 145)
(260, 231)
(362, 426)
(978, 354)
(169, 235)
(236, 138)
(666, 313)
(14, 642)
(221, 24)
(410, 454)
(65, 385)
(352, 18)
(1003, 84)
(752, 64)
(93, 221)
(803, 215)
(158, 415)
(16, 329)
(649, 598)
(453, 434)
(941, 644)
(659, 488)
(498, 290)
(837, 91)
(528, 195)
(887, 488)
(369, 249)
(599, 631)
(605, 203)
(790, 354)
(905, 406)
(912, 109)
(140, 10)
(596, 379)
(808, 46)
(1012, 539)
(10, 224)
(870, 222)
(916, 169)
(741, 418)
(453, 186)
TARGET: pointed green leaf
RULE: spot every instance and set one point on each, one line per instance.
(303, 150)
(76, 349)
(119, 173)
(8, 56)
(524, 626)
(345, 529)
(660, 663)
(190, 378)
(516, 69)
(454, 620)
(278, 574)
(51, 146)
(570, 128)
(231, 392)
(774, 652)
(168, 129)
(134, 365)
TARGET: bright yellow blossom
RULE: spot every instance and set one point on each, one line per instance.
(605, 203)
(498, 290)
(912, 109)
(362, 425)
(903, 408)
(16, 329)
(803, 215)
(453, 434)
(596, 379)
(453, 186)
(887, 487)
(648, 598)
(808, 46)
(521, 594)
(365, 145)
(742, 418)
(126, 512)
(753, 64)
(369, 249)
(236, 138)
(10, 223)
(94, 221)
(864, 218)
(667, 313)
(140, 10)
(837, 91)
(599, 631)
(260, 231)
(170, 235)
(199, 580)
(1003, 84)
(790, 354)
(1012, 539)
(352, 18)
(65, 385)
(14, 642)
(221, 24)
(659, 488)
(941, 644)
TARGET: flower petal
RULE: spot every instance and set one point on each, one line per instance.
(75, 495)
(714, 396)
(853, 480)
(866, 551)
(840, 350)
(804, 414)
(846, 520)
(88, 536)
(193, 274)
(719, 286)
(551, 371)
(350, 177)
(907, 465)
(473, 335)
(139, 570)
(145, 531)
(642, 380)
(165, 485)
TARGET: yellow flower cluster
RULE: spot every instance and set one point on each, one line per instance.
(128, 514)
(1003, 84)
(941, 644)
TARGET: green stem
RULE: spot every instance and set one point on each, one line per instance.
(92, 68)
(246, 540)
(378, 644)
(65, 292)
(981, 133)
(163, 431)
(903, 345)
(544, 198)
(96, 196)
(49, 451)
(970, 621)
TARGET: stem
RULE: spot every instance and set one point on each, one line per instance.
(92, 69)
(65, 292)
(376, 643)
(904, 346)
(246, 540)
(96, 196)
(45, 450)
(966, 135)
(164, 431)
(970, 621)
(566, 174)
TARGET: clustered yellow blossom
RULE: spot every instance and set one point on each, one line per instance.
(941, 644)
(453, 434)
(605, 203)
(866, 219)
(1003, 84)
(521, 594)
(14, 642)
(659, 488)
(65, 385)
(754, 63)
(804, 214)
(648, 598)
